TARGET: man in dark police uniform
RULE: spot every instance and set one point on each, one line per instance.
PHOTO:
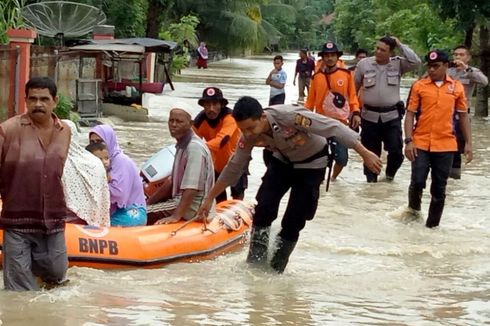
(298, 139)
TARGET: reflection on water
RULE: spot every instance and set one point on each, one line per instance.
(356, 262)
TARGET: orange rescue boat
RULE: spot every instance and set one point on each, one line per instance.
(157, 245)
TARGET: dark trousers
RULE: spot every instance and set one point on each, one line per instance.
(373, 135)
(303, 199)
(439, 164)
(278, 99)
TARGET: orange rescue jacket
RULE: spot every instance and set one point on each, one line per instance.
(341, 81)
(221, 136)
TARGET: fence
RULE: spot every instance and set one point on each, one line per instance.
(9, 70)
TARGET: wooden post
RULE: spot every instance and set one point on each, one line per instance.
(20, 39)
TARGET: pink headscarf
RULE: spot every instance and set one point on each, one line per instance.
(203, 51)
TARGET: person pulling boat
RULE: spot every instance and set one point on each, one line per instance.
(297, 138)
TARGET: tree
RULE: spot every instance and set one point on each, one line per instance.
(359, 23)
(355, 24)
(154, 17)
(184, 30)
(128, 16)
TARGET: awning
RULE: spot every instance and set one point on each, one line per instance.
(121, 48)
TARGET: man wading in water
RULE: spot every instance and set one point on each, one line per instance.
(297, 138)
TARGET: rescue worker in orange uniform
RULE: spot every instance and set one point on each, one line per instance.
(340, 80)
(218, 128)
(431, 142)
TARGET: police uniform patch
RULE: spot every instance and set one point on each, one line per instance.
(301, 120)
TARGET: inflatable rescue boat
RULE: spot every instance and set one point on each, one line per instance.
(157, 245)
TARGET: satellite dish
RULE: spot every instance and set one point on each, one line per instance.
(62, 18)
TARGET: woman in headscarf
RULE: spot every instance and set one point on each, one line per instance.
(85, 184)
(128, 206)
(202, 56)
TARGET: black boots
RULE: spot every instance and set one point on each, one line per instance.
(281, 256)
(259, 245)
(435, 212)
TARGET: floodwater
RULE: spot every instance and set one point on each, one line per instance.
(357, 262)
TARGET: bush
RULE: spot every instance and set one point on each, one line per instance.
(64, 108)
(179, 62)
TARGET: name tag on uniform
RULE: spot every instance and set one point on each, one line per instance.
(301, 120)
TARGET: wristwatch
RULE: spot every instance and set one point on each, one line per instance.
(407, 140)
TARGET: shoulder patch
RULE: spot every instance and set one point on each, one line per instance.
(301, 120)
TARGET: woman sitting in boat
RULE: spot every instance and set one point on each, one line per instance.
(85, 185)
(192, 171)
(128, 206)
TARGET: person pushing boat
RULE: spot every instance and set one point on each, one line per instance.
(297, 138)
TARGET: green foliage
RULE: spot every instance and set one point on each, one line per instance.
(64, 107)
(128, 16)
(355, 24)
(178, 62)
(75, 117)
(420, 28)
(185, 29)
(466, 12)
(359, 23)
(10, 17)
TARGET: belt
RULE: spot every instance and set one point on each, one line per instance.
(321, 153)
(381, 109)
